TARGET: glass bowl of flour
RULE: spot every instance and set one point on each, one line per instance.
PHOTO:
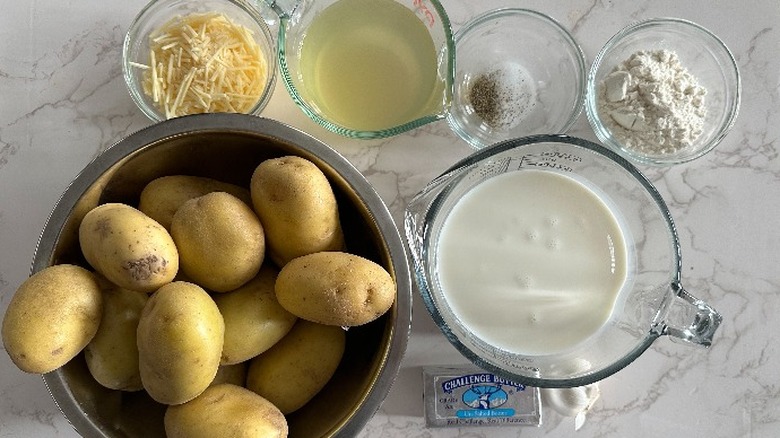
(518, 72)
(663, 91)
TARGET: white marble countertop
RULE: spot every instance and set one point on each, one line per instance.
(63, 101)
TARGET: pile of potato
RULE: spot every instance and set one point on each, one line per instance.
(222, 302)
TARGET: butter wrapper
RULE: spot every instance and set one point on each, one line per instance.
(468, 396)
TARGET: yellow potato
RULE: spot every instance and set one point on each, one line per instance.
(128, 247)
(163, 196)
(254, 320)
(112, 355)
(220, 240)
(294, 370)
(297, 207)
(51, 318)
(180, 336)
(335, 288)
(225, 411)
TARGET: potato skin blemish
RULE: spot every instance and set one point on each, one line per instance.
(103, 228)
(146, 267)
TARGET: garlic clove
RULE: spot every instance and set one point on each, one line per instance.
(572, 402)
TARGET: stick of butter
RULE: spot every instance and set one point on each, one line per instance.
(469, 396)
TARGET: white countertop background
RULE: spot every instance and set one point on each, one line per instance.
(63, 100)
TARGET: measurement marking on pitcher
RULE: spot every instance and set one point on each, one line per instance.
(431, 20)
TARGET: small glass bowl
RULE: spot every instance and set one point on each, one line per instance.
(701, 53)
(157, 13)
(539, 60)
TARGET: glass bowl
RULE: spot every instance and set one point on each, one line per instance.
(665, 137)
(529, 57)
(136, 48)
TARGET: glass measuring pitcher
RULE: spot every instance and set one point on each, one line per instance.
(651, 301)
(366, 68)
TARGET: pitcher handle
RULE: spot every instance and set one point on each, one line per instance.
(691, 319)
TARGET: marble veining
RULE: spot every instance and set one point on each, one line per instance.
(64, 101)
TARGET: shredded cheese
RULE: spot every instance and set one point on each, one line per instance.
(204, 62)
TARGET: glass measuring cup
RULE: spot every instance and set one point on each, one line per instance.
(295, 20)
(651, 303)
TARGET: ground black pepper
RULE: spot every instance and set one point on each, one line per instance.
(484, 98)
(501, 98)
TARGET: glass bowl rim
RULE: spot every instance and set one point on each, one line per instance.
(148, 12)
(590, 100)
(555, 25)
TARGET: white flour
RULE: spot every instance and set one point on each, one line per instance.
(652, 104)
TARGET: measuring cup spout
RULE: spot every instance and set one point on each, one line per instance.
(690, 319)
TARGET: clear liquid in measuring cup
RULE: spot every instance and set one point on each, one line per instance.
(532, 261)
(369, 64)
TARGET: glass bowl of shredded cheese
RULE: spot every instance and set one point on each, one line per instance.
(518, 72)
(189, 57)
(663, 91)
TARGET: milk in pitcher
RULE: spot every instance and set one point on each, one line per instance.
(532, 262)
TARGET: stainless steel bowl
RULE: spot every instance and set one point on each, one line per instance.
(228, 147)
